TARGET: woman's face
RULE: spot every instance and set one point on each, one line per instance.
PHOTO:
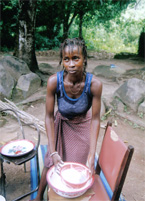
(73, 60)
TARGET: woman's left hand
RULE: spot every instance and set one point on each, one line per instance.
(91, 160)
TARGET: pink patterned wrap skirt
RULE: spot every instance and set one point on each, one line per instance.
(72, 139)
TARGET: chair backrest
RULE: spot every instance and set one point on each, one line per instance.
(114, 160)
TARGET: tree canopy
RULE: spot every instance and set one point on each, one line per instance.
(55, 18)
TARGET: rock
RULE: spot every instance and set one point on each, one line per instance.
(100, 55)
(141, 108)
(118, 70)
(15, 66)
(26, 86)
(107, 72)
(131, 93)
(7, 83)
(118, 105)
(49, 53)
(47, 68)
(2, 122)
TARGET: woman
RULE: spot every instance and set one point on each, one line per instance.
(73, 131)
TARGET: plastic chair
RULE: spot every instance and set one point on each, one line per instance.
(21, 159)
(114, 160)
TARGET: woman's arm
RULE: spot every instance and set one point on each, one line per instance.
(49, 117)
(96, 90)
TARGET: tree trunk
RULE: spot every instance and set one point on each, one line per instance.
(141, 45)
(67, 24)
(80, 25)
(65, 30)
(26, 47)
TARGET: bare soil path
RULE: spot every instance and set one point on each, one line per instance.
(18, 182)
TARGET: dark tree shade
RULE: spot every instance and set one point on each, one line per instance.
(141, 46)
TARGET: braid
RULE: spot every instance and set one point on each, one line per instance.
(71, 43)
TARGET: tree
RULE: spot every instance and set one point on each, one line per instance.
(53, 23)
(69, 12)
(100, 11)
(8, 21)
(52, 16)
(26, 44)
(141, 45)
(48, 24)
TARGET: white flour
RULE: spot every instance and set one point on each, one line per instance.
(58, 183)
(73, 176)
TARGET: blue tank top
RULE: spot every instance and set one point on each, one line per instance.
(69, 107)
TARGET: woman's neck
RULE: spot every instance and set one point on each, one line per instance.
(74, 79)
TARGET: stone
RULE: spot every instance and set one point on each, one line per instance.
(47, 68)
(27, 85)
(15, 66)
(131, 93)
(108, 72)
(7, 83)
(118, 105)
(141, 108)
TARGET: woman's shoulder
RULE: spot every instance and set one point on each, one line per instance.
(52, 82)
(96, 84)
(95, 80)
(52, 78)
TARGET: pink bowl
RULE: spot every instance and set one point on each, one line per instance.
(55, 182)
(75, 175)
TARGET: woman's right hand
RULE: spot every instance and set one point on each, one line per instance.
(57, 161)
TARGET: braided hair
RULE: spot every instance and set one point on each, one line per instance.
(71, 43)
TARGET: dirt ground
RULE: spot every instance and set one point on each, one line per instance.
(18, 182)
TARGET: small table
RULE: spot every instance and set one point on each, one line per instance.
(92, 194)
(55, 197)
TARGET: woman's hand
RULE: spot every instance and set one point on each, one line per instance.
(57, 162)
(91, 160)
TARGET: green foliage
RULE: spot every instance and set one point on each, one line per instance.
(112, 31)
(121, 35)
(104, 27)
(141, 115)
(9, 11)
(44, 43)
